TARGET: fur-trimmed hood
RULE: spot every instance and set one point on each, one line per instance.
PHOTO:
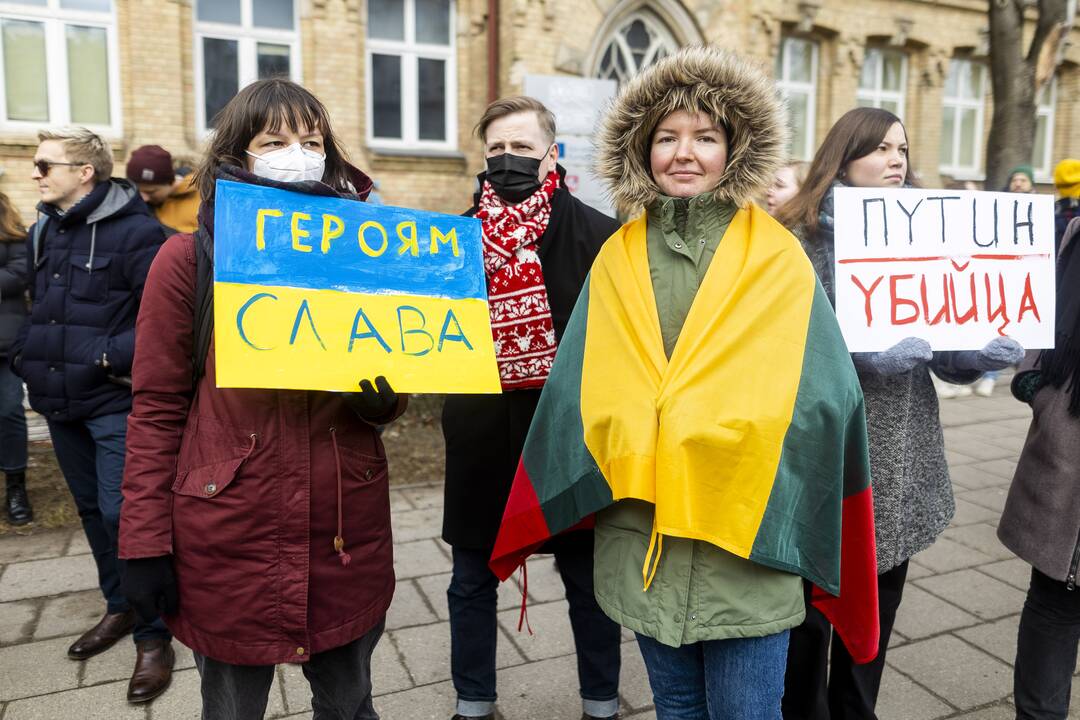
(732, 89)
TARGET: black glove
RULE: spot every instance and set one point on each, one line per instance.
(149, 584)
(373, 403)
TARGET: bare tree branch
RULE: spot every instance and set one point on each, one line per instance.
(1016, 78)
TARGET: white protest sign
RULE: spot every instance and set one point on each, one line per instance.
(577, 104)
(954, 267)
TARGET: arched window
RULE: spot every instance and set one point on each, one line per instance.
(640, 40)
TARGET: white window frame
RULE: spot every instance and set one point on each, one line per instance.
(410, 52)
(247, 37)
(876, 96)
(55, 19)
(1044, 166)
(788, 87)
(956, 105)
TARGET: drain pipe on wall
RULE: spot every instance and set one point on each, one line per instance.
(493, 51)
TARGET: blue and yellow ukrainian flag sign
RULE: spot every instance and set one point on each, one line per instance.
(317, 293)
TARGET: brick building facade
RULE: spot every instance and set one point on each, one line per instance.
(405, 80)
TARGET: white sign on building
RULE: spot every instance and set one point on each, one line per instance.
(578, 104)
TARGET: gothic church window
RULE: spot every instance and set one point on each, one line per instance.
(639, 41)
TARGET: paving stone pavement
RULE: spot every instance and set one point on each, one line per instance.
(950, 657)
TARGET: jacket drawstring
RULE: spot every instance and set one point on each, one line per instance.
(93, 246)
(339, 541)
(251, 449)
(524, 582)
(652, 559)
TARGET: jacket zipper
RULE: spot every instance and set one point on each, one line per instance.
(1070, 581)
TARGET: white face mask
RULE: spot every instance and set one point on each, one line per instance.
(291, 164)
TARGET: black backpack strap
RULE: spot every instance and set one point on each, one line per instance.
(203, 328)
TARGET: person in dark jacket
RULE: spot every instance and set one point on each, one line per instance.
(913, 497)
(257, 520)
(12, 314)
(90, 251)
(539, 243)
(1041, 520)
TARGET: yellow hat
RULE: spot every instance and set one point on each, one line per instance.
(1067, 178)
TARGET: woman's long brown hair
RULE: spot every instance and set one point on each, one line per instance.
(268, 104)
(856, 134)
(11, 224)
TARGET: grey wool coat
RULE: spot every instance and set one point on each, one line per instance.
(1041, 520)
(913, 497)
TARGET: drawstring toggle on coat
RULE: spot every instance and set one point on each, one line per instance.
(339, 541)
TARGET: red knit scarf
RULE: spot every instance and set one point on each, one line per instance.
(520, 312)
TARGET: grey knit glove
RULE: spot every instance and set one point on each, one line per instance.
(900, 358)
(998, 354)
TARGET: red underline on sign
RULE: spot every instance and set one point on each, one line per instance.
(847, 261)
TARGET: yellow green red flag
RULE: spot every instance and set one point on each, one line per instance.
(752, 436)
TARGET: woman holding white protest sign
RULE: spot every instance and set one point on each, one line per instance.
(913, 500)
(256, 521)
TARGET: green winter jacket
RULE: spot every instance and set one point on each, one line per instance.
(700, 592)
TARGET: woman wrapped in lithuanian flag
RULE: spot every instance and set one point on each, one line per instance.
(703, 407)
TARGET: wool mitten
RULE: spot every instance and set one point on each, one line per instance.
(900, 358)
(998, 354)
(149, 584)
(374, 403)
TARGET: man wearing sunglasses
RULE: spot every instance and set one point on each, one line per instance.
(89, 253)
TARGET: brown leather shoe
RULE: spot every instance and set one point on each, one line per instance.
(102, 636)
(154, 661)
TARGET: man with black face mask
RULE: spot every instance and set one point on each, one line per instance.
(539, 243)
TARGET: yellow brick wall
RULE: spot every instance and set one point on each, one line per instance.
(536, 36)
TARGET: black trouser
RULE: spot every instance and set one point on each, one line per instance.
(846, 691)
(340, 680)
(472, 598)
(1046, 649)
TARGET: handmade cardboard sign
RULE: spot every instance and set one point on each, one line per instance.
(318, 293)
(956, 268)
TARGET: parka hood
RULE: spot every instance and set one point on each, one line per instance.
(731, 89)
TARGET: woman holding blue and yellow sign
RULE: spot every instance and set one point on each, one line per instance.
(257, 522)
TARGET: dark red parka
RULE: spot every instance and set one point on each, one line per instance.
(241, 488)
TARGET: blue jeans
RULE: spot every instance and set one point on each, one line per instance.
(12, 421)
(91, 456)
(737, 679)
(472, 599)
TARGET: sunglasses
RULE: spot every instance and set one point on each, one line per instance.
(44, 166)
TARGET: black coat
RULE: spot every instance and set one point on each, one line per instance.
(12, 292)
(87, 274)
(485, 433)
(1065, 210)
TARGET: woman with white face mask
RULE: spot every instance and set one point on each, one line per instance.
(257, 522)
